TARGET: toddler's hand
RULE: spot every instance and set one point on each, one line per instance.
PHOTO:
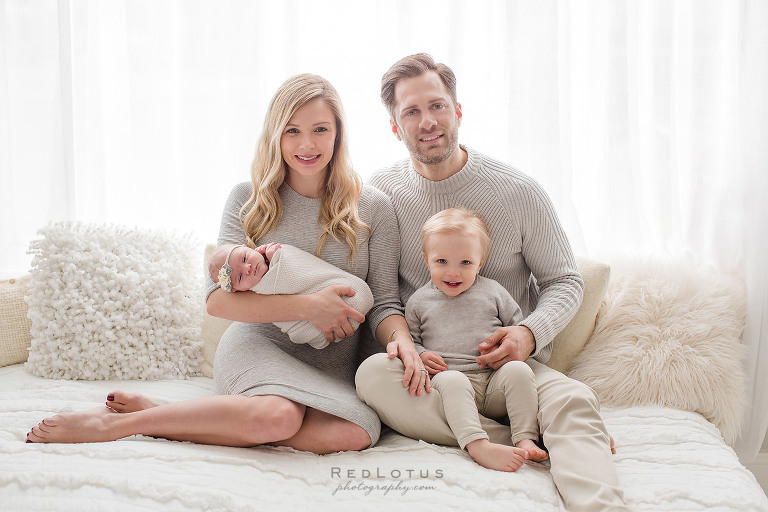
(433, 362)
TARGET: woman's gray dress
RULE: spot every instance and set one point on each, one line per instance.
(258, 359)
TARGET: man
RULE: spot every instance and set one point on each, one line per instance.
(530, 256)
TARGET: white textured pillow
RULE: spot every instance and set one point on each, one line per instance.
(111, 302)
(668, 333)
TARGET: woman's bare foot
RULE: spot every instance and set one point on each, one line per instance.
(496, 456)
(535, 453)
(92, 426)
(120, 401)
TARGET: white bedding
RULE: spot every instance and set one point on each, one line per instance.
(668, 460)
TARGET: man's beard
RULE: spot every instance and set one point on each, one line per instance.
(451, 137)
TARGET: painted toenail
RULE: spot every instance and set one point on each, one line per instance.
(110, 398)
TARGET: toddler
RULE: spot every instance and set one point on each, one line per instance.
(448, 318)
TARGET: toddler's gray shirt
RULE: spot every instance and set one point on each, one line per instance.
(454, 326)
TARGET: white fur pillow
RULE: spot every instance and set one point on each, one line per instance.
(669, 334)
(110, 302)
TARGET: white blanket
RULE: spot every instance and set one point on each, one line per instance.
(293, 271)
(667, 460)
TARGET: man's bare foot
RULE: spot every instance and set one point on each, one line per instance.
(92, 426)
(535, 453)
(496, 456)
(120, 401)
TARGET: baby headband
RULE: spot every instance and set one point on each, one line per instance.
(225, 274)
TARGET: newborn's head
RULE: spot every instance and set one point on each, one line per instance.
(236, 267)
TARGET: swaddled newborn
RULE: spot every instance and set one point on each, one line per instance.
(276, 269)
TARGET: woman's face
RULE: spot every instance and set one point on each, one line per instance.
(307, 146)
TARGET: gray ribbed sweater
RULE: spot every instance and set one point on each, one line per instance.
(527, 239)
(453, 327)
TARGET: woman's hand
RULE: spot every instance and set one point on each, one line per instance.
(415, 377)
(330, 314)
(433, 362)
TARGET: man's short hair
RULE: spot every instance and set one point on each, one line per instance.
(459, 220)
(410, 67)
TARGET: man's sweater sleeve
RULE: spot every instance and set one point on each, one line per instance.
(558, 285)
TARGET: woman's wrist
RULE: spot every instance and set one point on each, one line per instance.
(404, 342)
(394, 332)
(303, 306)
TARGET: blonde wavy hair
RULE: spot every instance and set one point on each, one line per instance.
(338, 216)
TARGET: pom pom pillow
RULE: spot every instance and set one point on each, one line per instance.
(669, 334)
(110, 302)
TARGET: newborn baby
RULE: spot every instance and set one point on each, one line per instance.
(275, 269)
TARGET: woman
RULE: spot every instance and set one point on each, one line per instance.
(303, 193)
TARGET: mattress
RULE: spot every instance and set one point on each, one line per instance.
(667, 459)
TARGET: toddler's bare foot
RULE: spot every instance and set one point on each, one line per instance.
(535, 453)
(75, 427)
(120, 401)
(497, 456)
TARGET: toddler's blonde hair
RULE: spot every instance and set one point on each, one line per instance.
(458, 220)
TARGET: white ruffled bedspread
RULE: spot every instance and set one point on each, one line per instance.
(667, 460)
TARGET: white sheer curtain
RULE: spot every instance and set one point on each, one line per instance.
(645, 120)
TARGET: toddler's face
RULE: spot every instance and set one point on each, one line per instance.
(248, 267)
(454, 261)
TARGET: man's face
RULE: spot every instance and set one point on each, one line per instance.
(426, 119)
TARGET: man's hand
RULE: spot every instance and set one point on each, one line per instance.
(513, 343)
(433, 362)
(416, 380)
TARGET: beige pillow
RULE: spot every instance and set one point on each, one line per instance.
(14, 324)
(572, 339)
(213, 327)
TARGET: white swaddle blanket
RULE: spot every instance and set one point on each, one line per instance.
(292, 270)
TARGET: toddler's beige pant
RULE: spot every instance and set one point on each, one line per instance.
(509, 391)
(569, 419)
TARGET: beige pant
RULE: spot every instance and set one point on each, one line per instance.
(569, 419)
(509, 391)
